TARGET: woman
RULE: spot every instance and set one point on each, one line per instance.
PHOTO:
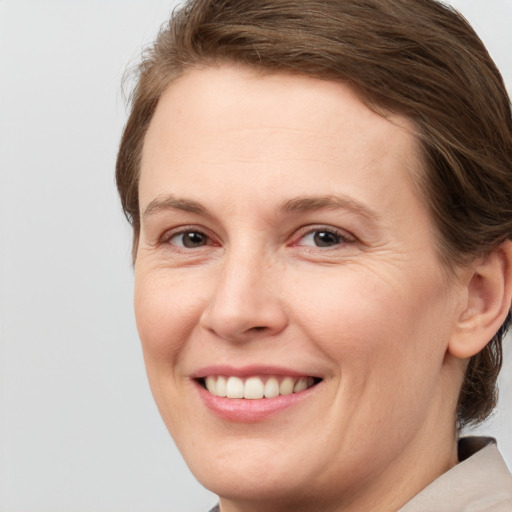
(321, 198)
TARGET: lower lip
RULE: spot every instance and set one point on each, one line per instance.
(248, 411)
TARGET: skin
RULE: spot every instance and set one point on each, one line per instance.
(373, 313)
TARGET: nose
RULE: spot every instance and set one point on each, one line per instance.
(245, 301)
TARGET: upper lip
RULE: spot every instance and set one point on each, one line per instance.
(249, 371)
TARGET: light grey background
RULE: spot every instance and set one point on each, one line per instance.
(78, 428)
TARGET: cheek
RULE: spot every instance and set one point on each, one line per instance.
(165, 315)
(376, 325)
(387, 346)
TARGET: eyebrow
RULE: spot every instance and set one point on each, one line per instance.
(305, 204)
(171, 202)
(294, 205)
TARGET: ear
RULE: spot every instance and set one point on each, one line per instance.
(489, 295)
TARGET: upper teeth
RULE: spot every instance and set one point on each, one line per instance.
(256, 387)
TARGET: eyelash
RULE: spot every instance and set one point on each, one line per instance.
(169, 235)
(342, 236)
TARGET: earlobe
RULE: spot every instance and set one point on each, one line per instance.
(489, 295)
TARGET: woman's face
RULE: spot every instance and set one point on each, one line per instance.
(283, 245)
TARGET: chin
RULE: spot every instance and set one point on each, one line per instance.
(254, 484)
(249, 469)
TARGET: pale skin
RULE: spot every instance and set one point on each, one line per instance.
(280, 225)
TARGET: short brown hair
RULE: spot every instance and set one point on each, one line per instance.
(417, 58)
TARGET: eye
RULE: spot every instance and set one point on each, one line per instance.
(189, 239)
(323, 237)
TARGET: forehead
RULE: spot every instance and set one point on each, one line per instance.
(230, 116)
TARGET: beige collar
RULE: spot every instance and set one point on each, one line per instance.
(481, 482)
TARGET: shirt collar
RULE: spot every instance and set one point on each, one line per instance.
(480, 482)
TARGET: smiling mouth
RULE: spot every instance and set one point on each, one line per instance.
(255, 387)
